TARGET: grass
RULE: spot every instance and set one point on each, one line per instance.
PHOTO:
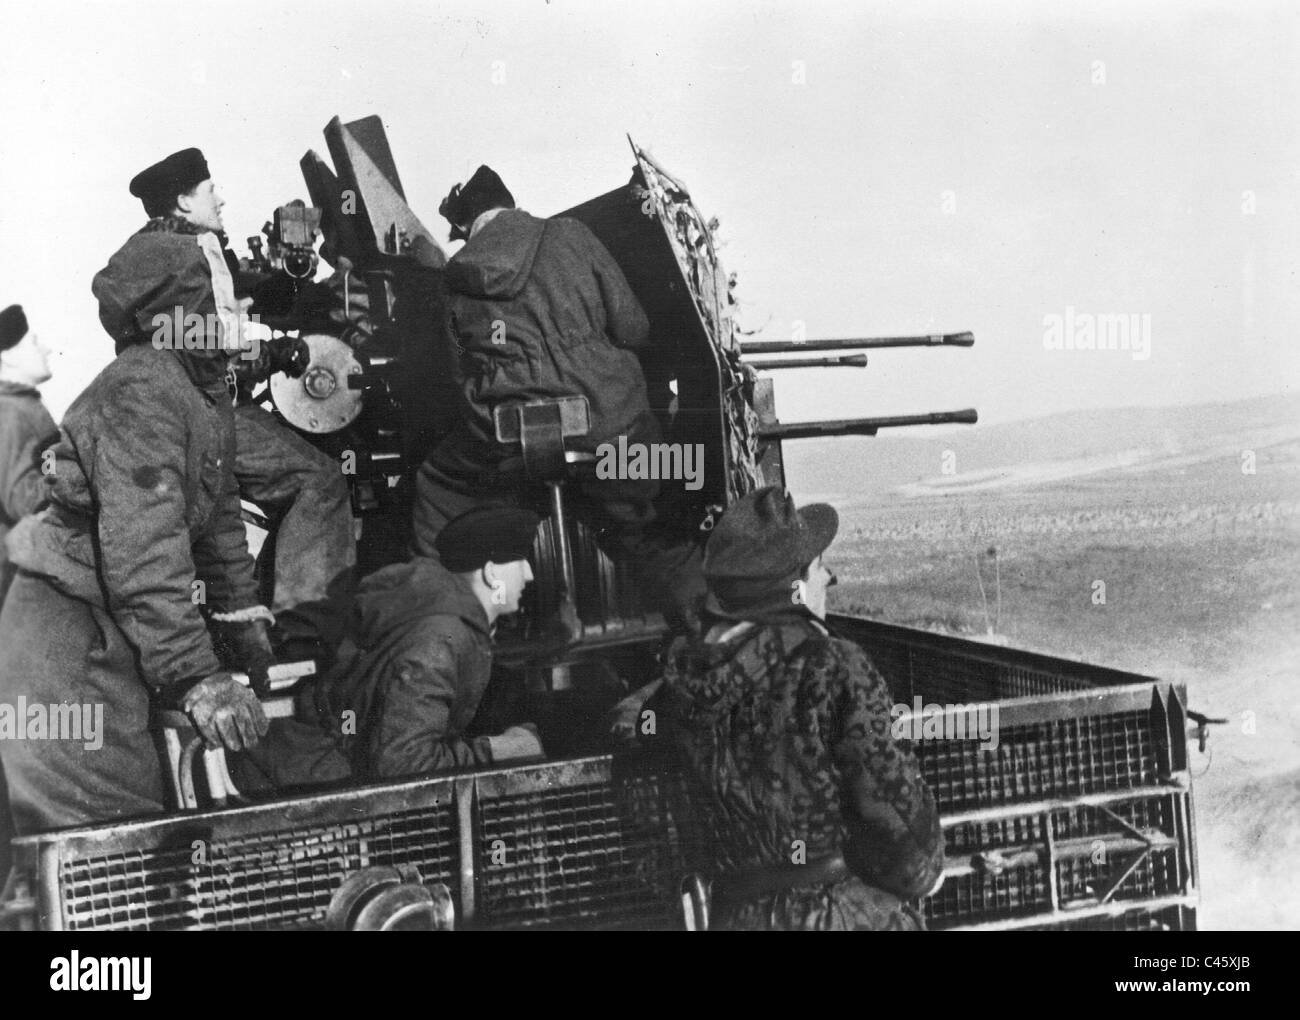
(1200, 586)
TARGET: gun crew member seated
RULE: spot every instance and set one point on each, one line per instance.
(807, 814)
(141, 549)
(540, 310)
(410, 680)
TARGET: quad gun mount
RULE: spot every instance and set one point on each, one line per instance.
(382, 386)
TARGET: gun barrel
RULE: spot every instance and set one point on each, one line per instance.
(847, 361)
(966, 339)
(864, 426)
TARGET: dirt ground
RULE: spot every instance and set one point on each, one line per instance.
(1201, 574)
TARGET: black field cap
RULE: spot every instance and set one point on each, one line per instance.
(762, 544)
(13, 326)
(179, 173)
(496, 534)
(484, 191)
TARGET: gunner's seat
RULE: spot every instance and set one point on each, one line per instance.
(581, 598)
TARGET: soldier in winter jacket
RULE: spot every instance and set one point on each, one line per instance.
(540, 310)
(26, 428)
(139, 558)
(414, 670)
(802, 808)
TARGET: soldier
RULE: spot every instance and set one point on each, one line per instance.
(410, 680)
(805, 811)
(540, 310)
(26, 428)
(141, 547)
(300, 488)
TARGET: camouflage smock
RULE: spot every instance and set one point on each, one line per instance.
(782, 735)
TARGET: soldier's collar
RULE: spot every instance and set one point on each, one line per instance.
(172, 225)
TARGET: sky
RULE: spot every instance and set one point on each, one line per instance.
(877, 168)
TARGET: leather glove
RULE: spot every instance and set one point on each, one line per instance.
(246, 646)
(225, 712)
(516, 743)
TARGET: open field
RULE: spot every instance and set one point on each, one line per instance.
(1201, 571)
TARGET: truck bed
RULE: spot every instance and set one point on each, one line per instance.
(1081, 817)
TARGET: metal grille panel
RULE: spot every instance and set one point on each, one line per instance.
(261, 881)
(1075, 858)
(593, 842)
(1074, 823)
(987, 897)
(1056, 758)
(600, 855)
(942, 677)
(942, 668)
(1169, 919)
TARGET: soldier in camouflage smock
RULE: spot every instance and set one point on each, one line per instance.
(801, 807)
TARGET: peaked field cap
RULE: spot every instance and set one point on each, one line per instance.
(484, 191)
(180, 172)
(487, 534)
(13, 326)
(762, 537)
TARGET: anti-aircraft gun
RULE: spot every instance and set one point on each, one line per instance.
(706, 386)
(1085, 757)
(710, 384)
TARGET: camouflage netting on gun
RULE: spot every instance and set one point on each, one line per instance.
(691, 238)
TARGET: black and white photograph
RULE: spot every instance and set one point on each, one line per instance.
(685, 466)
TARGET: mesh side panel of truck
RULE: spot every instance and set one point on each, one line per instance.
(1079, 817)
